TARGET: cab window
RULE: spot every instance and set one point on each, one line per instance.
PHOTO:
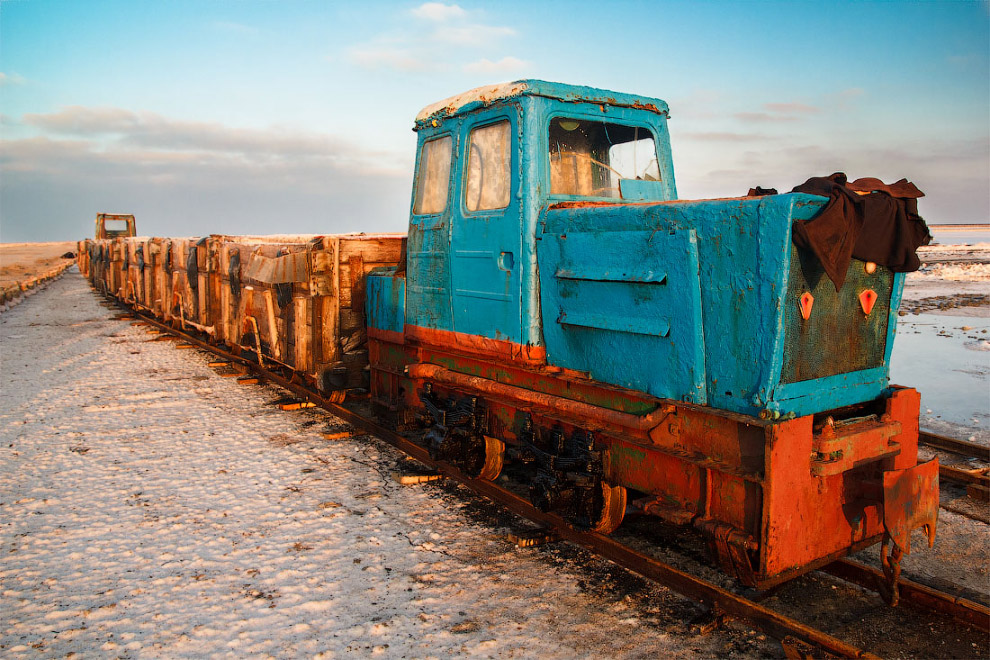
(589, 158)
(488, 180)
(434, 177)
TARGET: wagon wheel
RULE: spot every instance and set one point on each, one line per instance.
(494, 457)
(613, 508)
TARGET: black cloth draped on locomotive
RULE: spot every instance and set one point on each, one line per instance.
(882, 226)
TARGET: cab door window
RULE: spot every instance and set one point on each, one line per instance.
(488, 179)
(434, 177)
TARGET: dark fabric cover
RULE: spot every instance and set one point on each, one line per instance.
(192, 269)
(235, 273)
(903, 188)
(283, 294)
(875, 227)
(759, 191)
(283, 291)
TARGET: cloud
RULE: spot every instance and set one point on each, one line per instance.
(194, 177)
(79, 120)
(451, 33)
(439, 12)
(725, 136)
(398, 59)
(762, 117)
(953, 173)
(507, 64)
(119, 129)
(476, 35)
(845, 98)
(777, 113)
(793, 107)
(145, 143)
(11, 79)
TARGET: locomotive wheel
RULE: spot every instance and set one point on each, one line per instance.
(494, 458)
(613, 509)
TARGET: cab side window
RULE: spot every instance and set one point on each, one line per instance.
(488, 180)
(434, 177)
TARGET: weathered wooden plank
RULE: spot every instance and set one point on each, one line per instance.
(356, 264)
(296, 405)
(273, 333)
(375, 250)
(413, 479)
(350, 321)
(301, 345)
(340, 435)
(327, 321)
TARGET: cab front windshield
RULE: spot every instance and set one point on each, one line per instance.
(589, 158)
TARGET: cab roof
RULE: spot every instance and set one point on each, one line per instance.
(489, 94)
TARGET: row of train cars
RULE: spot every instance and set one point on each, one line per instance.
(556, 308)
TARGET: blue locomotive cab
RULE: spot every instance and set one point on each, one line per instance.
(545, 221)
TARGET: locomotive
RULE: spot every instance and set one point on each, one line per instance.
(556, 309)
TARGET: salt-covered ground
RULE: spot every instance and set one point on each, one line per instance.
(150, 508)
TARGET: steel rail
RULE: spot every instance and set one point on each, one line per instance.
(692, 587)
(959, 608)
(964, 477)
(961, 447)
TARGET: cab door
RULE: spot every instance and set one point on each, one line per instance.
(486, 236)
(428, 247)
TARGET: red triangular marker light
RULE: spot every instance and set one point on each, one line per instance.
(867, 299)
(807, 300)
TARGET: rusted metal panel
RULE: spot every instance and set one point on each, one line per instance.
(910, 501)
(839, 448)
(807, 517)
(120, 225)
(837, 337)
(634, 293)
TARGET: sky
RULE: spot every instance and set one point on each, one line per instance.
(261, 117)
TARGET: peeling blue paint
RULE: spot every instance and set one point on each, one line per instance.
(385, 300)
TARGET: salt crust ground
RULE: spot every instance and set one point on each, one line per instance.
(149, 508)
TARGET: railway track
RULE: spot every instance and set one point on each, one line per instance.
(975, 481)
(798, 639)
